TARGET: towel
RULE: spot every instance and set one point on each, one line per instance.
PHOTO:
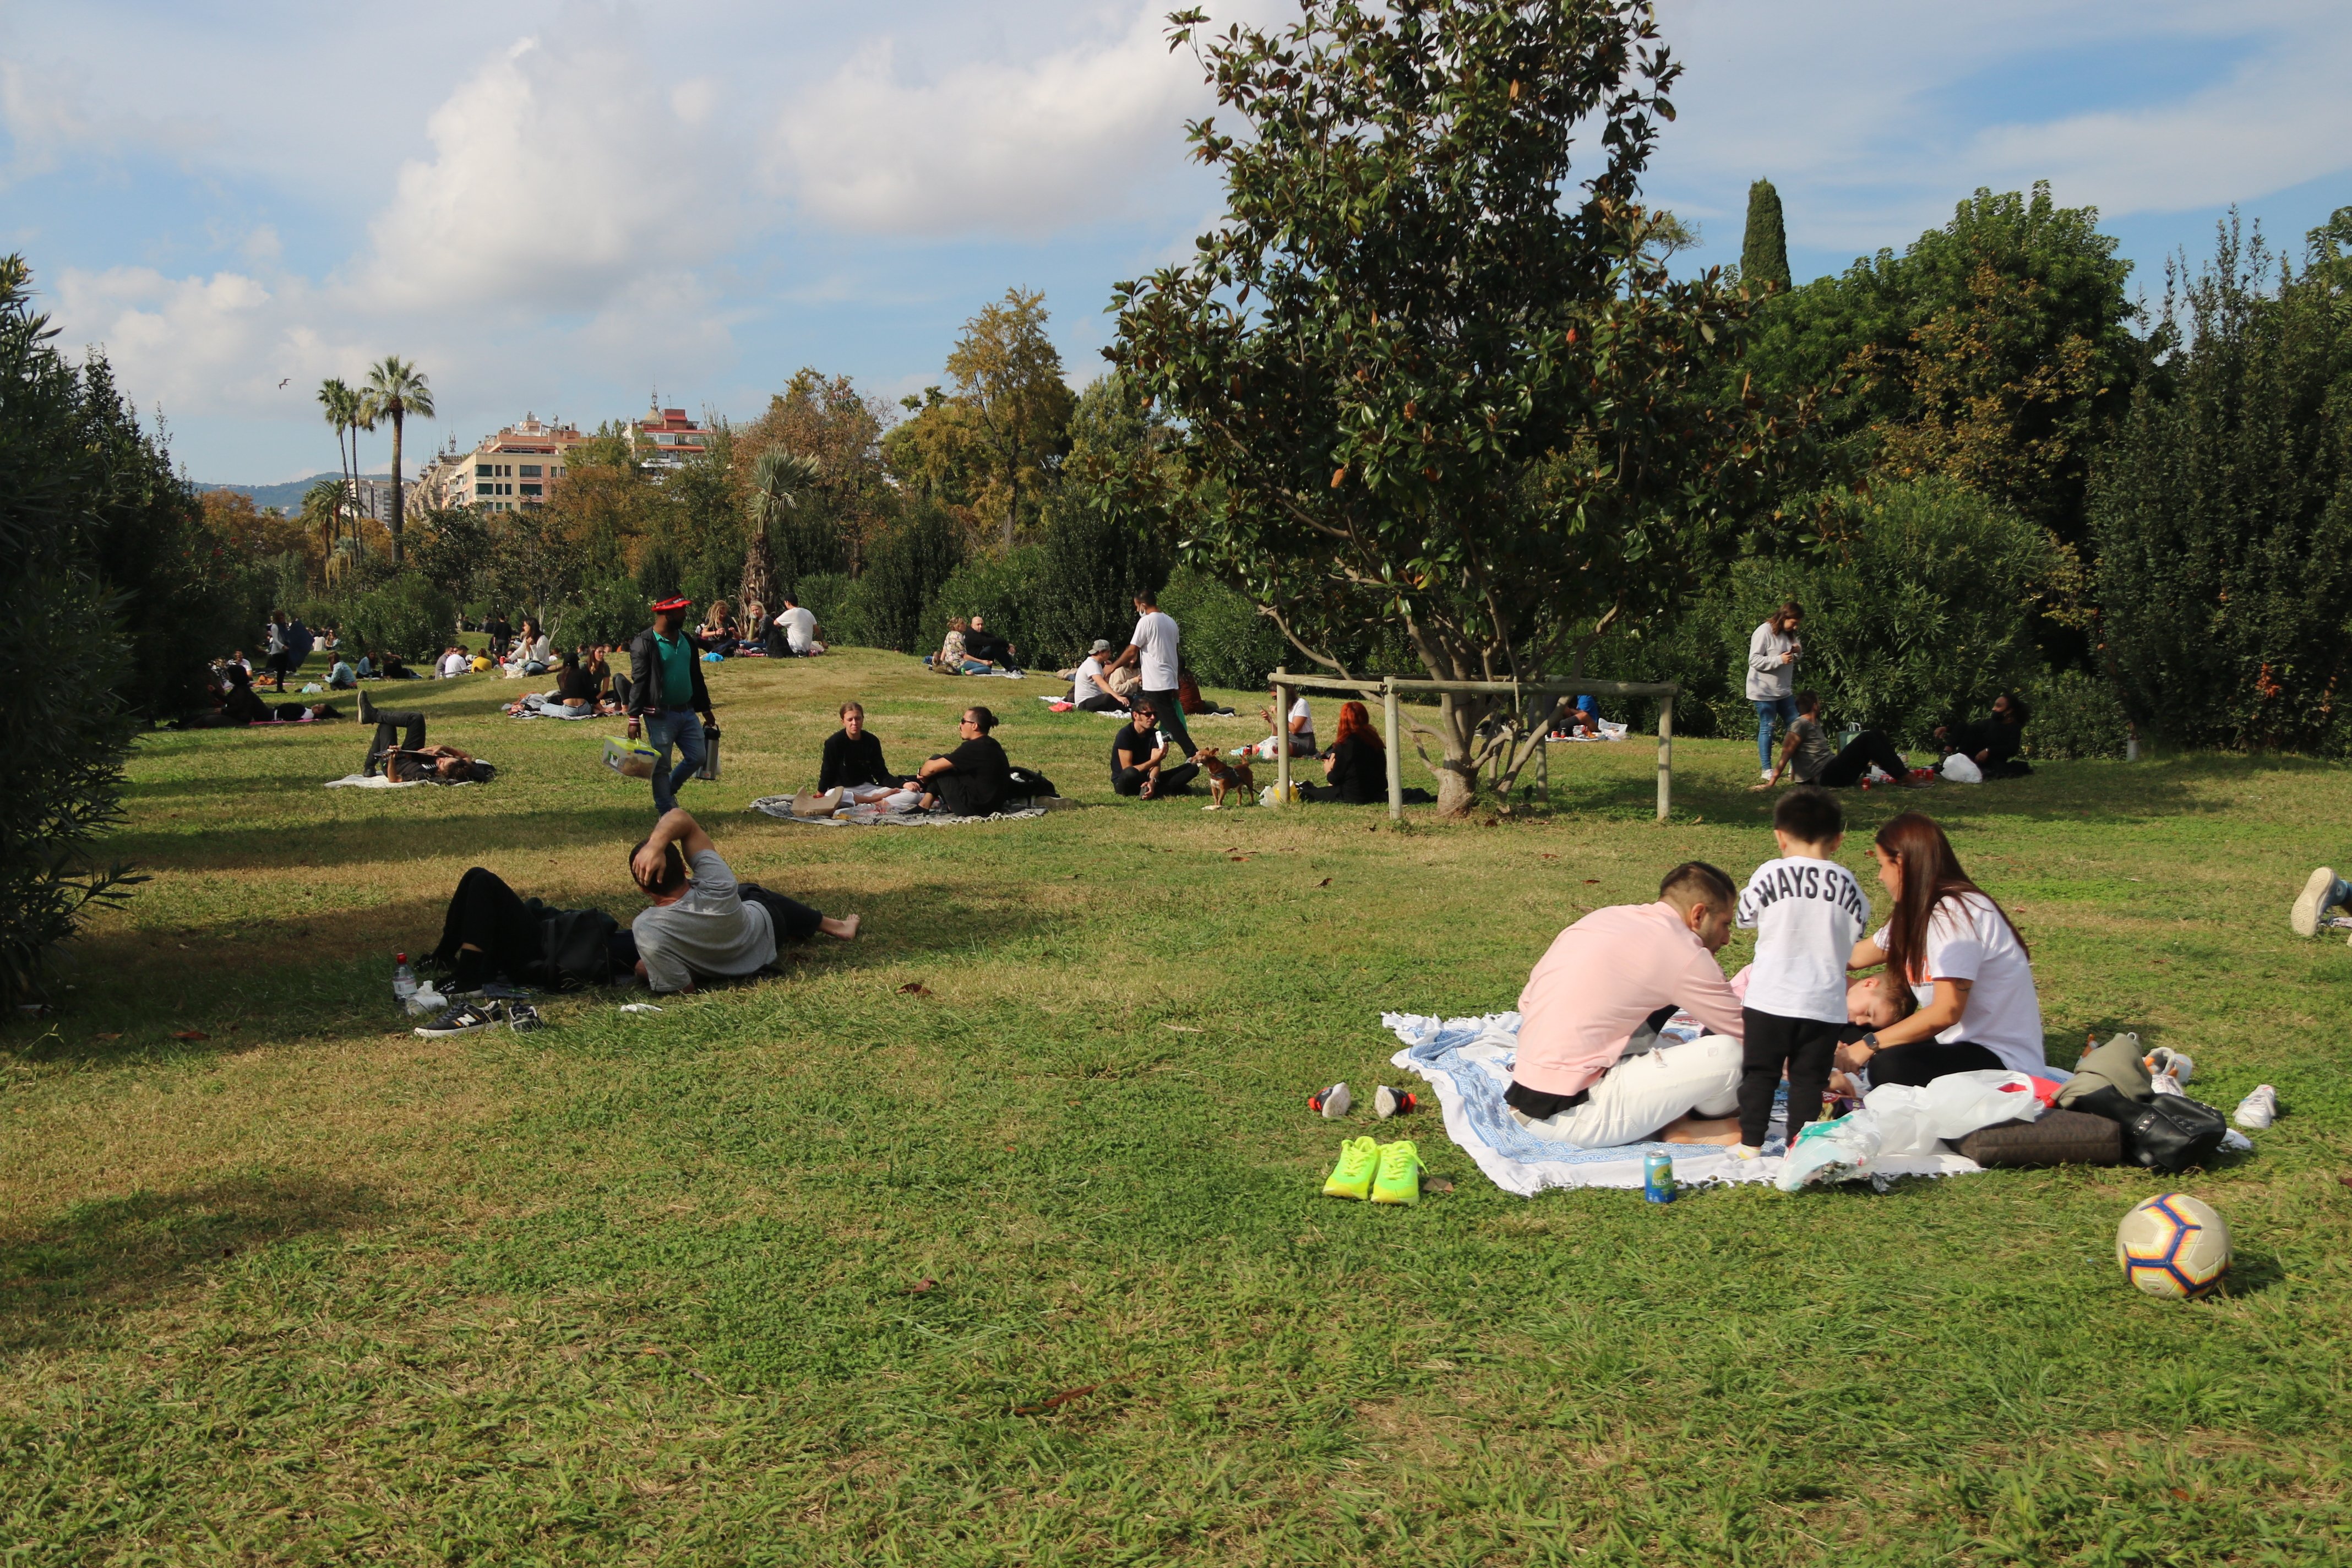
(370, 780)
(781, 807)
(1467, 1061)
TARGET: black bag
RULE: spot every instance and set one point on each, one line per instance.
(2172, 1132)
(574, 947)
(1027, 783)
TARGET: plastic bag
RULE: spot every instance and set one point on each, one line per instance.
(1840, 1150)
(1961, 768)
(1914, 1120)
(630, 759)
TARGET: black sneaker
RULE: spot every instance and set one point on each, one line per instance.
(461, 1018)
(522, 1017)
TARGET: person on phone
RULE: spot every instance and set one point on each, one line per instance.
(1772, 653)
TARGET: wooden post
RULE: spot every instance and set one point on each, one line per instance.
(1395, 749)
(1281, 740)
(1666, 755)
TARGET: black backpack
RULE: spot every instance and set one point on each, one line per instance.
(1027, 783)
(574, 947)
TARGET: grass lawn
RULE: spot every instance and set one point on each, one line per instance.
(794, 1272)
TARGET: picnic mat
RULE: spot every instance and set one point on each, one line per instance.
(781, 807)
(1467, 1061)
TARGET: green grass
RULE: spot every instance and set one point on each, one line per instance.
(312, 1291)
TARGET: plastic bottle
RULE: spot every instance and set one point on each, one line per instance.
(403, 979)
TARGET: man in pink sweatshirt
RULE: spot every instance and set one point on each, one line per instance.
(1592, 1070)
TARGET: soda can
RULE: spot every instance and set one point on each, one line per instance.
(1658, 1178)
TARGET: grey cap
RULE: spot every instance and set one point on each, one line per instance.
(1101, 646)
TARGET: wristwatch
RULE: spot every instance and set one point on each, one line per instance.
(1869, 1042)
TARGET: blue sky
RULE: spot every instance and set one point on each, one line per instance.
(560, 207)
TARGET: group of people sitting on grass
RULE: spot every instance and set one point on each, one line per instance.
(975, 779)
(585, 686)
(1991, 744)
(1955, 991)
(789, 633)
(970, 649)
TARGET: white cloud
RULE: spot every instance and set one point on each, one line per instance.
(993, 147)
(562, 174)
(47, 112)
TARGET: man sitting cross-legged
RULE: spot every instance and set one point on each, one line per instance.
(708, 926)
(1592, 1070)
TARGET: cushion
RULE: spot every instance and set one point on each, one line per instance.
(2054, 1138)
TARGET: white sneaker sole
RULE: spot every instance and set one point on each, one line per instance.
(2305, 917)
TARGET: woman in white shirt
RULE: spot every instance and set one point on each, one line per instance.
(1772, 653)
(1300, 727)
(1970, 972)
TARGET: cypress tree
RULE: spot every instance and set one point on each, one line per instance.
(1764, 252)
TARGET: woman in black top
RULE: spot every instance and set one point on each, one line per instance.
(1992, 743)
(573, 683)
(242, 706)
(1356, 765)
(853, 754)
(971, 780)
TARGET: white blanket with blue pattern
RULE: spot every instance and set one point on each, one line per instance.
(1467, 1061)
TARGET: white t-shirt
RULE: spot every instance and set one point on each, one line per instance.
(1969, 940)
(455, 664)
(1303, 734)
(1083, 685)
(1155, 635)
(800, 627)
(712, 932)
(1807, 915)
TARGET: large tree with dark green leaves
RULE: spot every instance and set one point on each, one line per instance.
(1427, 371)
(1764, 248)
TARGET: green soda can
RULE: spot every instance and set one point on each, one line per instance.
(1658, 1178)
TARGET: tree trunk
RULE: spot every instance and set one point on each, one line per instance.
(1457, 769)
(758, 575)
(396, 516)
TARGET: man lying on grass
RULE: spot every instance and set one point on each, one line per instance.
(1592, 1070)
(705, 925)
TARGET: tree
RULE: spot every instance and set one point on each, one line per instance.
(840, 431)
(2223, 512)
(395, 390)
(1008, 378)
(1764, 250)
(1420, 377)
(348, 412)
(779, 480)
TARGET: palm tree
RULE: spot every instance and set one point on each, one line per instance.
(347, 411)
(322, 510)
(395, 390)
(778, 479)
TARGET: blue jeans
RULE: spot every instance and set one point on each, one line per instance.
(682, 728)
(1765, 708)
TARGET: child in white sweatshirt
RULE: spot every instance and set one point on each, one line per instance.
(1807, 911)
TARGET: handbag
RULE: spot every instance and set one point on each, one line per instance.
(2172, 1132)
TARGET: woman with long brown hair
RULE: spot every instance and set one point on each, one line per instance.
(1954, 947)
(1772, 653)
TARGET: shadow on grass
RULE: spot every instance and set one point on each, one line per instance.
(2082, 792)
(64, 1286)
(482, 835)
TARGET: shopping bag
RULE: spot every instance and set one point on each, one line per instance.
(630, 758)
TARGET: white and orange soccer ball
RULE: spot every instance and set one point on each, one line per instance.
(2174, 1246)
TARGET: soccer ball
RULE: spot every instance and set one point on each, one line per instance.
(2174, 1246)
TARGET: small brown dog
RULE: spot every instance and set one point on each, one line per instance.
(1225, 776)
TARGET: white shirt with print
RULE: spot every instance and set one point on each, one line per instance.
(1807, 915)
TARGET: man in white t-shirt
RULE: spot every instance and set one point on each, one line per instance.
(709, 926)
(799, 626)
(1153, 650)
(1087, 689)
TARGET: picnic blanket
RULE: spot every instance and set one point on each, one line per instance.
(370, 780)
(1467, 1061)
(559, 711)
(781, 807)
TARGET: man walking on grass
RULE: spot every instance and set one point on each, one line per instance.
(1152, 649)
(668, 698)
(705, 925)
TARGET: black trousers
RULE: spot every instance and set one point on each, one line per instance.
(1865, 749)
(1129, 781)
(793, 920)
(1103, 702)
(1922, 1062)
(1806, 1047)
(1170, 712)
(487, 915)
(389, 726)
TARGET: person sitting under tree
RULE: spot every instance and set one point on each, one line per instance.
(1807, 750)
(1991, 743)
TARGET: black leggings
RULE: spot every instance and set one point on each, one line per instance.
(388, 727)
(1922, 1062)
(1172, 781)
(1849, 765)
(488, 916)
(1103, 702)
(1806, 1046)
(793, 920)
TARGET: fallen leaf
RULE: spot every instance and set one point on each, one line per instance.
(1239, 859)
(2180, 1492)
(1591, 881)
(1547, 857)
(1011, 1149)
(914, 988)
(921, 1288)
(1324, 883)
(1437, 1184)
(229, 1252)
(191, 1035)
(112, 1037)
(1053, 1401)
(1490, 822)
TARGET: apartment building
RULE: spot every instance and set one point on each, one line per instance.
(516, 468)
(665, 438)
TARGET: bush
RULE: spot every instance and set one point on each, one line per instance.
(2072, 715)
(1099, 552)
(1225, 642)
(904, 568)
(1006, 589)
(825, 595)
(611, 612)
(407, 617)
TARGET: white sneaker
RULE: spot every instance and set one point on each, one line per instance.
(1745, 1151)
(1765, 773)
(1331, 1103)
(2304, 918)
(2257, 1110)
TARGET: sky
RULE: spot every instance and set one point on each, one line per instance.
(564, 206)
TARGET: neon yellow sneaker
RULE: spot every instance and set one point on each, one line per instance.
(1400, 1178)
(1359, 1158)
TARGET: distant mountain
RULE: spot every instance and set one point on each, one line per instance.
(287, 497)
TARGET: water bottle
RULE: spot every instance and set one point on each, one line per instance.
(403, 979)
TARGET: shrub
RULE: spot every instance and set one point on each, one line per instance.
(2074, 715)
(905, 565)
(1225, 642)
(610, 611)
(825, 595)
(407, 617)
(1007, 589)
